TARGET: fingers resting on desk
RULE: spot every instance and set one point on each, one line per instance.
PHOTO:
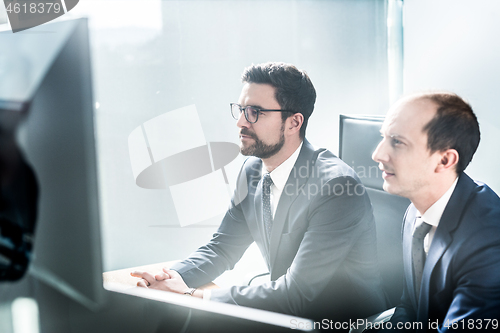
(168, 280)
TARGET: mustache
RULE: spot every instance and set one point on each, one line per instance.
(384, 168)
(245, 131)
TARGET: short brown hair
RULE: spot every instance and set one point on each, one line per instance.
(454, 126)
(294, 89)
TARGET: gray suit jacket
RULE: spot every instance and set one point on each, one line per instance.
(322, 253)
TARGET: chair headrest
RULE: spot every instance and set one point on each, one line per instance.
(359, 136)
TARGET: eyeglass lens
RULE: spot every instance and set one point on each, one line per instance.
(251, 114)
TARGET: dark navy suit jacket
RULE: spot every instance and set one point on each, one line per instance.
(322, 253)
(461, 278)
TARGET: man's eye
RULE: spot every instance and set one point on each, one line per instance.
(395, 142)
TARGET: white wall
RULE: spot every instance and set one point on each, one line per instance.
(455, 45)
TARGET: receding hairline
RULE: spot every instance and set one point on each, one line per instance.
(435, 98)
(413, 98)
(431, 96)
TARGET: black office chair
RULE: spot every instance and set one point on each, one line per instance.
(359, 136)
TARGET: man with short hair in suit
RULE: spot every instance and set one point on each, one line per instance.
(307, 211)
(451, 231)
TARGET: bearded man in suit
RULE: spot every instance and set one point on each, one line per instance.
(306, 209)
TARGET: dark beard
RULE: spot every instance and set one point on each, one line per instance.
(260, 149)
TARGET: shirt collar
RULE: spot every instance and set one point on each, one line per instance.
(280, 175)
(434, 213)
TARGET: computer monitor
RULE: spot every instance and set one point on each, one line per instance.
(47, 80)
(48, 77)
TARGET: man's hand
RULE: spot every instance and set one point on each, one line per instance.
(147, 279)
(168, 280)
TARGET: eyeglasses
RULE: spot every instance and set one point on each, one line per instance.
(251, 112)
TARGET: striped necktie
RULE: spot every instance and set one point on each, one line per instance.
(267, 214)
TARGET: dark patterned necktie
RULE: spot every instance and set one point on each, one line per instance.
(266, 203)
(418, 253)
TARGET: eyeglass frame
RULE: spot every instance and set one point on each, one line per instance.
(244, 110)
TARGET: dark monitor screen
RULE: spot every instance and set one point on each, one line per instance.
(47, 77)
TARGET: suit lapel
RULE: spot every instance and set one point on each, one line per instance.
(443, 236)
(290, 192)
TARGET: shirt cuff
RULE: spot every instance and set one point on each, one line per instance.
(207, 293)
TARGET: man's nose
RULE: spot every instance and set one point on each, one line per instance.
(380, 153)
(242, 121)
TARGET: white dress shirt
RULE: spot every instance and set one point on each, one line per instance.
(433, 215)
(279, 177)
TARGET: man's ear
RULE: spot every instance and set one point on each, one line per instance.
(448, 161)
(294, 123)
